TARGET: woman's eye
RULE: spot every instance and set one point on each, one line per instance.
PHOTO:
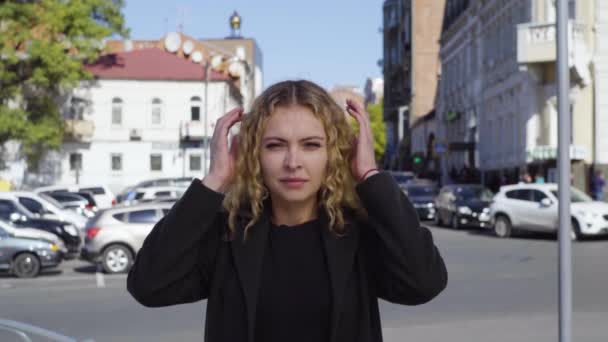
(272, 146)
(313, 145)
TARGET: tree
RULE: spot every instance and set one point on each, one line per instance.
(376, 118)
(44, 45)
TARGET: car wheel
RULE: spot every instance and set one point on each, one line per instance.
(502, 227)
(116, 259)
(26, 265)
(575, 231)
(454, 222)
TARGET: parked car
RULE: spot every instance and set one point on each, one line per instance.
(25, 257)
(32, 233)
(104, 198)
(129, 192)
(114, 236)
(534, 207)
(11, 210)
(402, 177)
(71, 201)
(156, 192)
(47, 207)
(422, 196)
(461, 205)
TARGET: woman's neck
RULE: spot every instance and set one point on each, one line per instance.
(291, 214)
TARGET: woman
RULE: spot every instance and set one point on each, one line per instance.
(293, 234)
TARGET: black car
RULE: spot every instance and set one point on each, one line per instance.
(422, 197)
(13, 211)
(462, 205)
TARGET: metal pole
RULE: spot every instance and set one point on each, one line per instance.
(565, 243)
(205, 139)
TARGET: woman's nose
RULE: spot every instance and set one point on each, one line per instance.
(291, 159)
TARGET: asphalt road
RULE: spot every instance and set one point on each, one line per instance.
(499, 290)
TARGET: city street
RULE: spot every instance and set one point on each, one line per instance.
(499, 290)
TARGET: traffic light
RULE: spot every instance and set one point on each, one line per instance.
(417, 159)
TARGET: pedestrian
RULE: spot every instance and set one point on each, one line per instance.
(597, 186)
(525, 178)
(294, 233)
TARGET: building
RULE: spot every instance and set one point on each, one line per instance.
(410, 67)
(373, 90)
(150, 110)
(497, 105)
(149, 113)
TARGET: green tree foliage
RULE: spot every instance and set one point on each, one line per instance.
(43, 47)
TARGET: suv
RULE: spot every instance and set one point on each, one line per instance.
(114, 236)
(534, 207)
(102, 194)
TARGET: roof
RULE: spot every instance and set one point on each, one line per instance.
(150, 64)
(529, 186)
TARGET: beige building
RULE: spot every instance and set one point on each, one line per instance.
(410, 67)
(497, 106)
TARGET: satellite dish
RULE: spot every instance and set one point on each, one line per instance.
(172, 42)
(197, 57)
(235, 69)
(188, 47)
(216, 61)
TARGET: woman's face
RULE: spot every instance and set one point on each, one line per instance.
(293, 154)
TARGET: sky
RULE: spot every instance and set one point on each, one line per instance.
(330, 42)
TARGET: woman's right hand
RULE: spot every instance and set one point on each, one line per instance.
(223, 159)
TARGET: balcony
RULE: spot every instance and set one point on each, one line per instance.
(193, 131)
(80, 130)
(536, 42)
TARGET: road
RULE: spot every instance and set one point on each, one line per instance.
(499, 290)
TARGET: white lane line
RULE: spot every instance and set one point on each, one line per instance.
(100, 277)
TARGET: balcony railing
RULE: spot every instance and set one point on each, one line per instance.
(79, 129)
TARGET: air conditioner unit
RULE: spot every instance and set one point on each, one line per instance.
(135, 134)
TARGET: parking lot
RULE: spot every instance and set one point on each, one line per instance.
(504, 288)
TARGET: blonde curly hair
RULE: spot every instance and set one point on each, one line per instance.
(245, 197)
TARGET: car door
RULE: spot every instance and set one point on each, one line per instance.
(141, 223)
(517, 205)
(543, 218)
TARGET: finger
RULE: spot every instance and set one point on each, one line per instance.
(234, 146)
(358, 107)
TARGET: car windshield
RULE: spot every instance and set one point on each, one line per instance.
(51, 200)
(576, 196)
(474, 193)
(421, 191)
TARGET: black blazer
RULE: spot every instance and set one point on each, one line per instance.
(390, 256)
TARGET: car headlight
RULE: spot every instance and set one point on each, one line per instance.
(54, 247)
(70, 229)
(486, 210)
(465, 210)
(430, 205)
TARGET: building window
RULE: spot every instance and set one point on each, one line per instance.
(195, 108)
(117, 111)
(116, 162)
(156, 111)
(77, 107)
(195, 162)
(75, 161)
(156, 162)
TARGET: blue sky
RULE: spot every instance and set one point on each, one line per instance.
(330, 42)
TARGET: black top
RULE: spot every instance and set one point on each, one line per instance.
(294, 299)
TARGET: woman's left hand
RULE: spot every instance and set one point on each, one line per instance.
(364, 158)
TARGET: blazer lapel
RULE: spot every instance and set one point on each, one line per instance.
(248, 258)
(340, 252)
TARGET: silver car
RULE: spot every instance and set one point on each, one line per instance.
(115, 235)
(25, 257)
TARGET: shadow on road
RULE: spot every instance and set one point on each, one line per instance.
(88, 269)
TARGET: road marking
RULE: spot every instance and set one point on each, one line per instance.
(100, 277)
